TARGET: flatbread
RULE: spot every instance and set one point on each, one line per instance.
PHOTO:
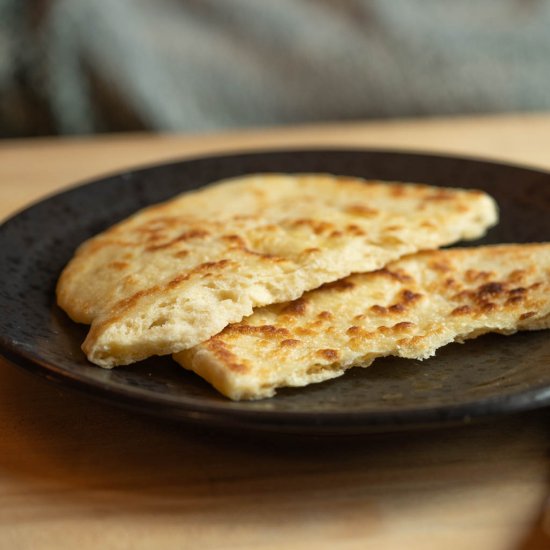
(410, 308)
(173, 275)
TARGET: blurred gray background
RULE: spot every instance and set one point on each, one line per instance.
(86, 66)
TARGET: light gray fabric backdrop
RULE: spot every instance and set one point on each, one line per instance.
(79, 66)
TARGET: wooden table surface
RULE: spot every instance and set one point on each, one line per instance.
(76, 473)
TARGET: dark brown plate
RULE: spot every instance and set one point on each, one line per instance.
(489, 376)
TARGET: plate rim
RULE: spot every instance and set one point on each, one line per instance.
(318, 423)
(162, 405)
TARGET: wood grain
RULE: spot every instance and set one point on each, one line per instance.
(77, 473)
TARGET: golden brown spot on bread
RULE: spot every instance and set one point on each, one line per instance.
(158, 224)
(414, 341)
(410, 297)
(325, 315)
(336, 234)
(290, 342)
(354, 330)
(304, 331)
(388, 239)
(440, 266)
(461, 310)
(428, 225)
(398, 190)
(407, 297)
(213, 265)
(527, 315)
(451, 283)
(318, 227)
(517, 276)
(185, 236)
(472, 275)
(328, 354)
(181, 254)
(360, 210)
(355, 230)
(312, 250)
(339, 286)
(235, 240)
(397, 275)
(218, 348)
(515, 300)
(297, 307)
(356, 343)
(193, 234)
(131, 300)
(489, 289)
(262, 255)
(518, 291)
(118, 265)
(462, 295)
(404, 325)
(266, 331)
(442, 195)
(201, 269)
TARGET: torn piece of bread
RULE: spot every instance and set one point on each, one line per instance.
(175, 274)
(410, 308)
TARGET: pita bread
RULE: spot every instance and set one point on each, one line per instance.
(173, 275)
(410, 308)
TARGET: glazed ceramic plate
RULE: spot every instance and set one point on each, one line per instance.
(485, 377)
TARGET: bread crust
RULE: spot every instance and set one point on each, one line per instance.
(410, 308)
(174, 274)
